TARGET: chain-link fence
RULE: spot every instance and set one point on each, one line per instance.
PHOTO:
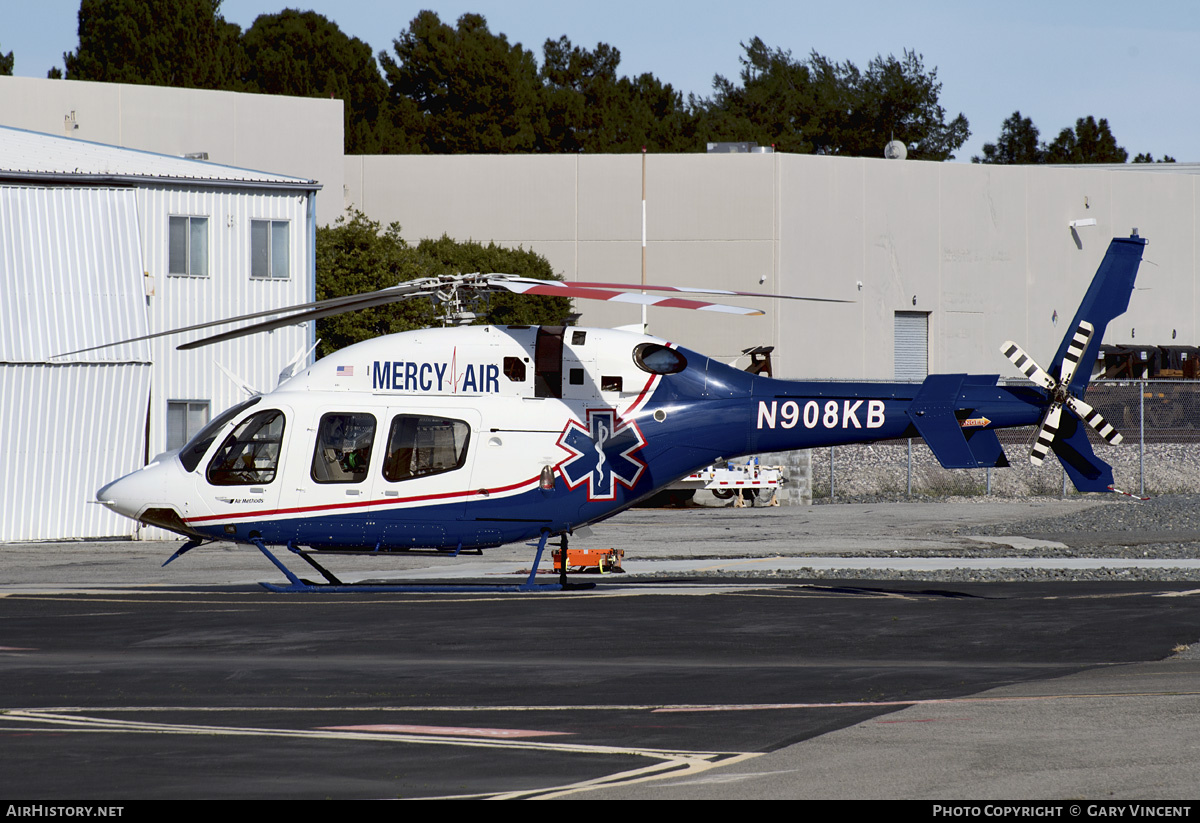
(1159, 419)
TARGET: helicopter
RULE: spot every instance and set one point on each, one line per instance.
(472, 437)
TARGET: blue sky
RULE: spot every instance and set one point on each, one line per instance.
(1136, 64)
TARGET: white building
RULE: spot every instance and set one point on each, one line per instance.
(99, 244)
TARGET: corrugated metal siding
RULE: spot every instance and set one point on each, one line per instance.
(71, 274)
(912, 345)
(69, 429)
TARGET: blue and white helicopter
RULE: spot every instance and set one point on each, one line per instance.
(473, 437)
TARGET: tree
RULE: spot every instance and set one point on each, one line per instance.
(588, 107)
(6, 64)
(1018, 143)
(1146, 157)
(357, 255)
(824, 107)
(463, 89)
(304, 54)
(354, 256)
(1088, 142)
(156, 42)
(898, 97)
(446, 256)
(778, 102)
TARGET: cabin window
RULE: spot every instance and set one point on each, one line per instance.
(251, 453)
(611, 383)
(343, 450)
(419, 446)
(514, 369)
(187, 247)
(269, 249)
(576, 376)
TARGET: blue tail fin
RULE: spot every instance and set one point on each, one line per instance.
(1107, 298)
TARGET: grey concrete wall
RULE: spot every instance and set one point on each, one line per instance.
(986, 251)
(298, 136)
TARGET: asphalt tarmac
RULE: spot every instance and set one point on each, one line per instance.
(120, 680)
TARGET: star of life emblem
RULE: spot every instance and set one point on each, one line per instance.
(601, 454)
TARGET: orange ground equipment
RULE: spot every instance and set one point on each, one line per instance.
(590, 560)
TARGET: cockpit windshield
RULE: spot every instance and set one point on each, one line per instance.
(191, 454)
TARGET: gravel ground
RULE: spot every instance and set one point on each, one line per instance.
(1164, 527)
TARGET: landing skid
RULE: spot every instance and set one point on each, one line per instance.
(334, 585)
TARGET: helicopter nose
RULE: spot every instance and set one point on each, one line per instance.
(135, 492)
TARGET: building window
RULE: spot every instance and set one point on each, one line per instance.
(188, 247)
(185, 419)
(269, 249)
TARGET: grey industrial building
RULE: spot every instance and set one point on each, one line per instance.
(942, 261)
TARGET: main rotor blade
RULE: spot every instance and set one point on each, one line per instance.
(544, 287)
(361, 301)
(637, 287)
(1046, 434)
(1079, 344)
(1027, 366)
(1096, 420)
(332, 305)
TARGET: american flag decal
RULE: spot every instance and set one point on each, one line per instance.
(345, 371)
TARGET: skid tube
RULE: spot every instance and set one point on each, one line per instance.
(336, 586)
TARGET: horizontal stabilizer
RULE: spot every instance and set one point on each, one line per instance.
(934, 414)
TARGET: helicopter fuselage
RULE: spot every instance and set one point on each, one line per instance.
(478, 436)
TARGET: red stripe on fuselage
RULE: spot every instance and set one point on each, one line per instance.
(357, 504)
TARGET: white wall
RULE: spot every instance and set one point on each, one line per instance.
(987, 251)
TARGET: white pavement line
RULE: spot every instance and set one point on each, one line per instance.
(96, 724)
(681, 767)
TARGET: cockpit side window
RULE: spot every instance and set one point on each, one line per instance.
(343, 450)
(250, 454)
(192, 453)
(419, 446)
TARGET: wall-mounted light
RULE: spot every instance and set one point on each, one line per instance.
(914, 300)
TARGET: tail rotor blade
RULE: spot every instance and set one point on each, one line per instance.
(1079, 344)
(1027, 366)
(1046, 434)
(1096, 420)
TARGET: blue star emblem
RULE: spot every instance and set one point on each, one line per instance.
(601, 454)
